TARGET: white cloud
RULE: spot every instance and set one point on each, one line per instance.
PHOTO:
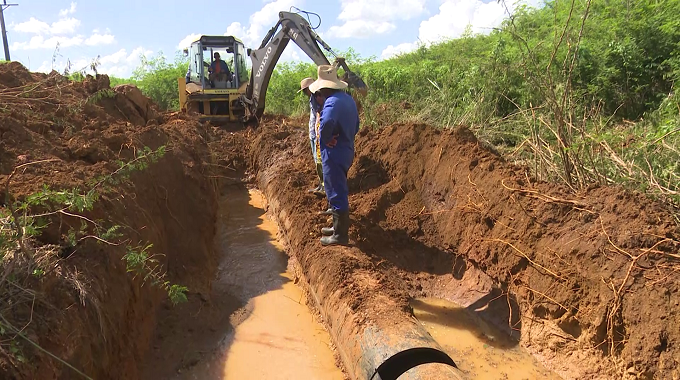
(60, 66)
(135, 56)
(62, 26)
(65, 26)
(361, 29)
(186, 41)
(62, 32)
(237, 30)
(454, 17)
(119, 64)
(392, 51)
(260, 22)
(115, 58)
(381, 9)
(32, 26)
(66, 12)
(40, 42)
(100, 39)
(367, 18)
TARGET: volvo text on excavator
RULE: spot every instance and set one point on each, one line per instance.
(218, 93)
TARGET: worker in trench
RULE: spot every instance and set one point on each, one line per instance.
(314, 117)
(338, 126)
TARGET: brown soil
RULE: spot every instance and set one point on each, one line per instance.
(579, 278)
(587, 282)
(87, 309)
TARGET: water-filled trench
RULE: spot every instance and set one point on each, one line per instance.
(271, 333)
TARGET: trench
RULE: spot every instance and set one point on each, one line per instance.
(256, 323)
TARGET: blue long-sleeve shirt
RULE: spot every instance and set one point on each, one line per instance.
(223, 67)
(314, 107)
(339, 117)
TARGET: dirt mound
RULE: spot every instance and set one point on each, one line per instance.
(14, 74)
(579, 278)
(600, 266)
(81, 303)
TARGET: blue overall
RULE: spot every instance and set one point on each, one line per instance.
(340, 117)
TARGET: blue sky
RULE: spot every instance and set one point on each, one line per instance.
(119, 32)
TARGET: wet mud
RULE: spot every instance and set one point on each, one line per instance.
(256, 322)
(483, 351)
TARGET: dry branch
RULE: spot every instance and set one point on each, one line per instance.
(548, 198)
(535, 264)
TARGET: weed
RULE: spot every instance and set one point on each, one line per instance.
(140, 262)
(22, 221)
(106, 93)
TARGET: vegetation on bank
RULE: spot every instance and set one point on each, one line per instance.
(26, 260)
(582, 92)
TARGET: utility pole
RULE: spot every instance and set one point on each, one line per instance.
(4, 6)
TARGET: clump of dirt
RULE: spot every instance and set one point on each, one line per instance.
(80, 303)
(588, 281)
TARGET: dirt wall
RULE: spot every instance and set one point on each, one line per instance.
(586, 281)
(593, 274)
(88, 310)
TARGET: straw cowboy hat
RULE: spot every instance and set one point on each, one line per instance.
(328, 78)
(305, 83)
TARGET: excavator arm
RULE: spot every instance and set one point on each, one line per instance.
(291, 26)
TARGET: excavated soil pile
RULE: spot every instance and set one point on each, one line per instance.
(81, 304)
(588, 282)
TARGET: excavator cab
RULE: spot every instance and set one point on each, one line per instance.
(216, 78)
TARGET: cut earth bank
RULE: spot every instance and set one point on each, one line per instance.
(67, 288)
(587, 282)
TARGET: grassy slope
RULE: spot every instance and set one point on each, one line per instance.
(579, 101)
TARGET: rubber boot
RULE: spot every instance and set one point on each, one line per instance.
(340, 230)
(328, 212)
(328, 231)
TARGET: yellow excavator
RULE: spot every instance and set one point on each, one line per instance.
(223, 85)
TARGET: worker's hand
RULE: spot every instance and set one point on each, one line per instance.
(333, 142)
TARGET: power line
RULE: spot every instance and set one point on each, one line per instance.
(5, 45)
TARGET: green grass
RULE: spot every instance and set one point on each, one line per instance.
(582, 94)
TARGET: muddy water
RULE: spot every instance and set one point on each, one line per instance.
(274, 336)
(480, 350)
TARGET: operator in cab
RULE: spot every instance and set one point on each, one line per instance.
(218, 66)
(338, 126)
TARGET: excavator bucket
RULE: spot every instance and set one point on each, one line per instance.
(356, 83)
(352, 79)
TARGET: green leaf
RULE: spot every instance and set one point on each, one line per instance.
(177, 294)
